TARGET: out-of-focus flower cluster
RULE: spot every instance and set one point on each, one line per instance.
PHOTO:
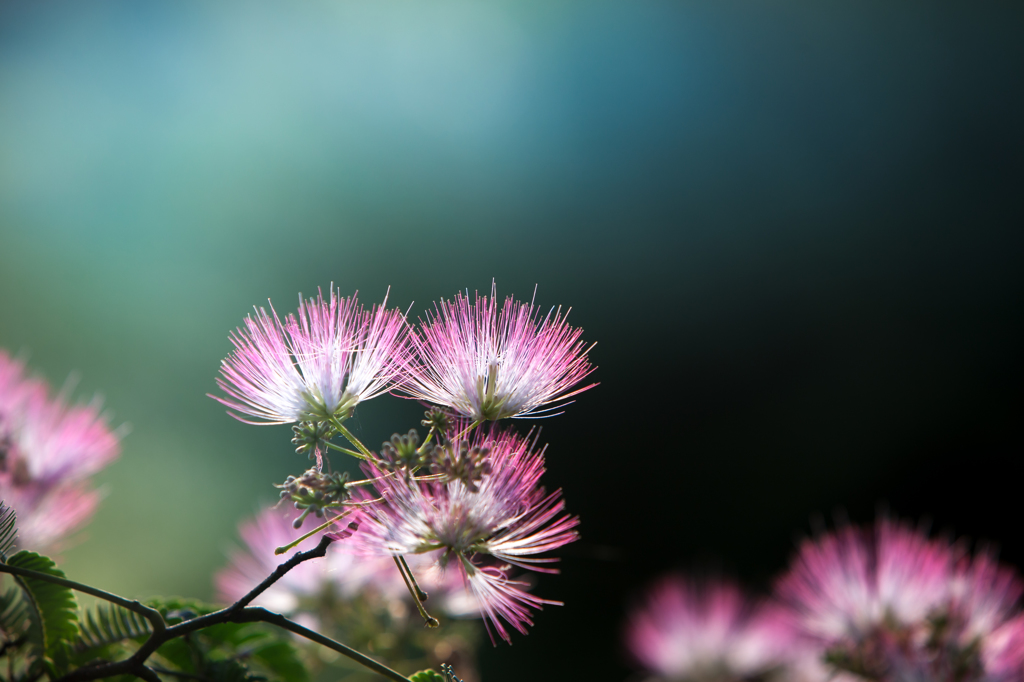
(884, 603)
(464, 502)
(362, 602)
(48, 450)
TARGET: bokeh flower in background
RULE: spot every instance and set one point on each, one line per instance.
(487, 365)
(888, 603)
(360, 600)
(710, 631)
(48, 450)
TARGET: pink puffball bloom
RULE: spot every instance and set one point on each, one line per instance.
(487, 365)
(481, 526)
(846, 583)
(315, 365)
(48, 516)
(48, 449)
(687, 630)
(891, 604)
(344, 573)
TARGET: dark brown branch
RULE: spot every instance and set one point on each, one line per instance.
(152, 615)
(144, 673)
(254, 614)
(239, 612)
(318, 551)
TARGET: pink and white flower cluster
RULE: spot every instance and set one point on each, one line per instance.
(470, 503)
(889, 603)
(48, 450)
(467, 356)
(317, 364)
(885, 603)
(476, 530)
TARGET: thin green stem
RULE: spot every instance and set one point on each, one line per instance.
(415, 591)
(420, 594)
(152, 615)
(369, 481)
(334, 446)
(355, 441)
(422, 448)
(324, 526)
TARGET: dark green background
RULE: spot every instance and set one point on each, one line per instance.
(794, 230)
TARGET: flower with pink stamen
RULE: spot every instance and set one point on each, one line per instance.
(688, 630)
(894, 605)
(489, 365)
(48, 448)
(984, 594)
(846, 583)
(340, 572)
(316, 365)
(492, 517)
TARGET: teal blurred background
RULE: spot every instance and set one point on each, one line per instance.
(793, 230)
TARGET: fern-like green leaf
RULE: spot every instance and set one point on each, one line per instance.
(51, 607)
(109, 624)
(8, 530)
(13, 614)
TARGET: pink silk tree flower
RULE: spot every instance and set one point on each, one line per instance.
(47, 516)
(314, 366)
(984, 597)
(48, 449)
(1003, 652)
(489, 365)
(697, 631)
(342, 573)
(68, 442)
(495, 517)
(890, 604)
(846, 583)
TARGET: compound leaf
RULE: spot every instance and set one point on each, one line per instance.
(51, 607)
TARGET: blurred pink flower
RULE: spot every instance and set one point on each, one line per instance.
(687, 630)
(891, 604)
(48, 448)
(316, 365)
(343, 573)
(845, 583)
(488, 365)
(481, 526)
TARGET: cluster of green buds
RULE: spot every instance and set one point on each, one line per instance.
(437, 420)
(309, 436)
(315, 491)
(403, 451)
(466, 464)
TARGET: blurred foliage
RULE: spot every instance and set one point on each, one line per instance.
(389, 630)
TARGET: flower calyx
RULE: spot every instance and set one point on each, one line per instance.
(310, 437)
